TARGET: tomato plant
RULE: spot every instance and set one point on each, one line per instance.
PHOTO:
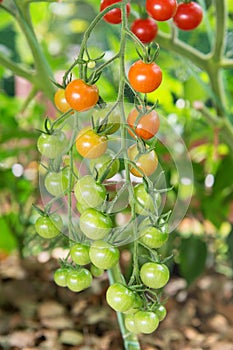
(154, 275)
(113, 16)
(89, 144)
(145, 77)
(146, 162)
(188, 15)
(145, 29)
(145, 125)
(161, 10)
(49, 226)
(80, 95)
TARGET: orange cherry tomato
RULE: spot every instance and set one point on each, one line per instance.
(146, 127)
(80, 95)
(60, 101)
(147, 162)
(89, 144)
(145, 77)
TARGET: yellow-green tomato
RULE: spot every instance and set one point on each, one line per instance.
(105, 165)
(80, 254)
(103, 255)
(154, 275)
(56, 183)
(161, 312)
(152, 236)
(49, 226)
(78, 280)
(146, 321)
(94, 224)
(89, 193)
(119, 297)
(130, 324)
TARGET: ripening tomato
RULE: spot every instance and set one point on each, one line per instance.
(145, 29)
(89, 144)
(81, 96)
(146, 162)
(146, 126)
(161, 10)
(154, 275)
(188, 15)
(60, 101)
(145, 77)
(119, 297)
(49, 226)
(114, 15)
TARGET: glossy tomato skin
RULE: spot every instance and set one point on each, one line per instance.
(49, 226)
(146, 321)
(146, 162)
(56, 183)
(161, 10)
(78, 280)
(130, 324)
(60, 277)
(80, 254)
(81, 96)
(119, 297)
(52, 145)
(146, 127)
(114, 15)
(94, 224)
(60, 101)
(154, 275)
(145, 77)
(188, 16)
(103, 255)
(152, 236)
(161, 312)
(145, 29)
(106, 164)
(89, 144)
(89, 193)
(144, 202)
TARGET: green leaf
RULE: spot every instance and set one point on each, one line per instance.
(8, 242)
(193, 254)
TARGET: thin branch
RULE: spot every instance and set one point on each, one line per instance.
(16, 68)
(221, 29)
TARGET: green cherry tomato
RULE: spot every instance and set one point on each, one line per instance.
(143, 200)
(60, 277)
(146, 321)
(103, 255)
(152, 236)
(49, 226)
(130, 324)
(154, 275)
(105, 165)
(80, 254)
(89, 193)
(94, 224)
(56, 183)
(107, 124)
(96, 272)
(161, 312)
(52, 145)
(78, 280)
(119, 297)
(136, 305)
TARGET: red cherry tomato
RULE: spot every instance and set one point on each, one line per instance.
(188, 16)
(145, 77)
(60, 101)
(114, 15)
(161, 10)
(145, 29)
(81, 96)
(146, 127)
